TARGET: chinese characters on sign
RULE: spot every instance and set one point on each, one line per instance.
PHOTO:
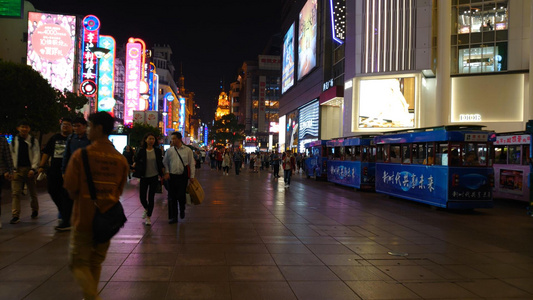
(407, 181)
(513, 140)
(106, 79)
(133, 75)
(89, 68)
(476, 137)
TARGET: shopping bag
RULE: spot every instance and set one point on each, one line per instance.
(196, 191)
(188, 199)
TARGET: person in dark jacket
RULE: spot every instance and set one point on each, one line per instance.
(129, 154)
(149, 167)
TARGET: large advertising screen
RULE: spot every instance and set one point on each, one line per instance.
(308, 123)
(288, 60)
(291, 130)
(11, 8)
(307, 35)
(387, 103)
(51, 47)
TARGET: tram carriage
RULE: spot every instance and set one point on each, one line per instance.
(316, 161)
(351, 162)
(447, 166)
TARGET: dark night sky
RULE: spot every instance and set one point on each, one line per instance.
(210, 38)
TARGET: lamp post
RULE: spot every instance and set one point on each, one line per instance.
(99, 52)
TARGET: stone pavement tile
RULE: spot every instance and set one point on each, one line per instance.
(439, 290)
(494, 288)
(255, 273)
(151, 259)
(325, 240)
(393, 262)
(134, 290)
(244, 248)
(201, 273)
(372, 249)
(261, 290)
(351, 273)
(409, 273)
(351, 240)
(468, 272)
(280, 240)
(340, 259)
(406, 248)
(521, 283)
(288, 248)
(38, 273)
(52, 289)
(512, 257)
(320, 290)
(17, 290)
(9, 257)
(115, 259)
(201, 259)
(198, 290)
(329, 249)
(156, 248)
(249, 259)
(381, 290)
(283, 259)
(503, 271)
(143, 273)
(308, 273)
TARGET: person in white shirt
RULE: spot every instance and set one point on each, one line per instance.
(179, 167)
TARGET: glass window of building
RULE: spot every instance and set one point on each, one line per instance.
(479, 36)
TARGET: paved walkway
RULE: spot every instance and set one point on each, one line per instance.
(254, 239)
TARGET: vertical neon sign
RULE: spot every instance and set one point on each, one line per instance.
(206, 135)
(106, 77)
(167, 107)
(151, 101)
(133, 74)
(89, 69)
(182, 116)
(155, 92)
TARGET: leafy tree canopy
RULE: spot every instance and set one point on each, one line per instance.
(227, 129)
(27, 95)
(137, 131)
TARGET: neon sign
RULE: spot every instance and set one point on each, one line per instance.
(133, 74)
(89, 69)
(338, 20)
(182, 116)
(106, 78)
(167, 107)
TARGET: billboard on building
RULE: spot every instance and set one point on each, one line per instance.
(387, 103)
(308, 123)
(51, 48)
(133, 76)
(291, 130)
(307, 35)
(106, 78)
(288, 60)
(11, 8)
(89, 68)
(151, 118)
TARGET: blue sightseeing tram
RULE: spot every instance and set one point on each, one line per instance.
(448, 166)
(351, 162)
(316, 162)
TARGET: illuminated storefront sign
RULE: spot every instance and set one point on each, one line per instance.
(11, 9)
(133, 74)
(51, 41)
(106, 77)
(152, 105)
(206, 135)
(291, 130)
(469, 117)
(308, 123)
(338, 20)
(167, 107)
(387, 103)
(307, 35)
(261, 104)
(181, 127)
(288, 60)
(89, 69)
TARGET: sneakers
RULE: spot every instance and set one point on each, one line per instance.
(144, 214)
(34, 214)
(62, 227)
(148, 222)
(15, 220)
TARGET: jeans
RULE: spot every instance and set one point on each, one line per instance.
(19, 177)
(85, 261)
(287, 176)
(148, 185)
(238, 165)
(276, 169)
(225, 169)
(60, 196)
(178, 188)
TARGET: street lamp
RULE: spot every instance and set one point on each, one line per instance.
(99, 52)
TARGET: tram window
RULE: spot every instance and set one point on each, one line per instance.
(473, 153)
(406, 154)
(380, 155)
(395, 154)
(441, 157)
(357, 153)
(500, 154)
(331, 153)
(337, 153)
(419, 153)
(515, 155)
(366, 155)
(386, 153)
(348, 152)
(483, 153)
(342, 153)
(372, 154)
(525, 156)
(454, 158)
(430, 155)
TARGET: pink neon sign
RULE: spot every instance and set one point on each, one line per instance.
(133, 76)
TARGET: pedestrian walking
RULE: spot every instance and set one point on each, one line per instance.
(226, 163)
(258, 162)
(237, 159)
(213, 159)
(109, 172)
(148, 166)
(220, 158)
(298, 162)
(289, 164)
(129, 154)
(275, 163)
(6, 166)
(178, 162)
(26, 155)
(54, 151)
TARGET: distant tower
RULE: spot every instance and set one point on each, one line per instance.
(223, 107)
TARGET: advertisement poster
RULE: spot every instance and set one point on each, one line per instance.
(151, 118)
(309, 122)
(288, 60)
(351, 173)
(139, 116)
(51, 43)
(291, 130)
(307, 36)
(511, 181)
(387, 103)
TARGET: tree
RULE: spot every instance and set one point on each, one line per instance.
(137, 132)
(25, 94)
(227, 130)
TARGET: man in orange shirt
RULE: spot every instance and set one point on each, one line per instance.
(109, 170)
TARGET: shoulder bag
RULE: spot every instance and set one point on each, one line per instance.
(186, 167)
(107, 224)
